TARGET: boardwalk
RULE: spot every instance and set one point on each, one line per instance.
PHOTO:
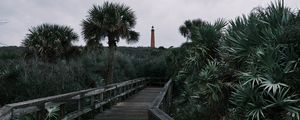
(150, 102)
(134, 108)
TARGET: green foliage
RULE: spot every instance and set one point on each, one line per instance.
(112, 21)
(23, 80)
(12, 52)
(119, 24)
(200, 86)
(147, 62)
(52, 112)
(248, 71)
(257, 43)
(49, 41)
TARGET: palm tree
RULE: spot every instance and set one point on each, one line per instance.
(49, 41)
(185, 29)
(114, 22)
(204, 36)
(199, 82)
(189, 26)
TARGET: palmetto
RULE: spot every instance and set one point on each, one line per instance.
(112, 21)
(50, 41)
(250, 70)
(201, 86)
(256, 42)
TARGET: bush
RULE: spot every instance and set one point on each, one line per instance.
(22, 80)
(32, 78)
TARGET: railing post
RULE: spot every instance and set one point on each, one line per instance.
(134, 88)
(126, 94)
(62, 110)
(114, 95)
(92, 105)
(131, 87)
(79, 105)
(111, 92)
(40, 115)
(101, 100)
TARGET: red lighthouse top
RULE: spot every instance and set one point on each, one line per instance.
(152, 38)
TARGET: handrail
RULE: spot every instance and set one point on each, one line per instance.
(162, 103)
(96, 97)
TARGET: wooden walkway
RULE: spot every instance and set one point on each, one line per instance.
(134, 108)
(150, 102)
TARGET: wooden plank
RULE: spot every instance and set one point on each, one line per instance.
(130, 109)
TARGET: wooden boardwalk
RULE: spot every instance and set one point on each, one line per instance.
(134, 108)
(149, 103)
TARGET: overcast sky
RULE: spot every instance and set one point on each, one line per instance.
(165, 15)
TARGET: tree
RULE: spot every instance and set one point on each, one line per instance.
(114, 22)
(200, 83)
(49, 41)
(189, 26)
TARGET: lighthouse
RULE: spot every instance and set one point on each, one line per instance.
(152, 38)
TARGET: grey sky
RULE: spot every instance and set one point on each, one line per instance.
(165, 15)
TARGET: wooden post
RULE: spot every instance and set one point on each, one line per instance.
(41, 114)
(101, 100)
(118, 93)
(92, 102)
(79, 105)
(123, 91)
(114, 92)
(126, 94)
(109, 97)
(62, 110)
(131, 87)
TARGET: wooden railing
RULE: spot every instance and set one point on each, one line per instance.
(160, 107)
(75, 104)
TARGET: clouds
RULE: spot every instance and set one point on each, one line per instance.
(165, 15)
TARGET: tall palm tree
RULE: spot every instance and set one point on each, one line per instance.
(50, 41)
(112, 21)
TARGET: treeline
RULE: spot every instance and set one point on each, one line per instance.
(247, 68)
